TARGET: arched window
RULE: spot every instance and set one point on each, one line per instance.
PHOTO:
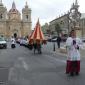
(1, 16)
(26, 16)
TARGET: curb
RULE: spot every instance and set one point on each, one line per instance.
(60, 53)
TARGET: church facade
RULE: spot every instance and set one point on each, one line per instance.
(11, 23)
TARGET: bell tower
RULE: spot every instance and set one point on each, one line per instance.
(3, 12)
(26, 13)
(3, 18)
(26, 20)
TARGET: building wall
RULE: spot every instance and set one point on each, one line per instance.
(3, 28)
(15, 27)
(82, 26)
(26, 29)
(62, 21)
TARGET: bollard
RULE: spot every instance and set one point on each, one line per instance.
(54, 46)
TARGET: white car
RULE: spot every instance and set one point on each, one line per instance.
(23, 42)
(3, 43)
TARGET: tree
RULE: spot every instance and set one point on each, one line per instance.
(58, 28)
(48, 31)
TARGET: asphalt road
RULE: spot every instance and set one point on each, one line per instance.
(20, 66)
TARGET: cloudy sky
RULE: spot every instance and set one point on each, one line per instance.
(45, 10)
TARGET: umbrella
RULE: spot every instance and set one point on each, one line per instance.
(37, 35)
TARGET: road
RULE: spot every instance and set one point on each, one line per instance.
(21, 67)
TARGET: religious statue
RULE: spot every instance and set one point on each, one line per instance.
(74, 18)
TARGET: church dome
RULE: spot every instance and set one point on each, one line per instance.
(13, 9)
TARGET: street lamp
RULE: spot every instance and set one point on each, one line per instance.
(68, 21)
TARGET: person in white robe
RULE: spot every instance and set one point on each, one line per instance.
(13, 42)
(73, 45)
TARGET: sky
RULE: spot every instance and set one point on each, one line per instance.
(45, 10)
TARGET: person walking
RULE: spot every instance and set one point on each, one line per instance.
(58, 41)
(35, 47)
(73, 45)
(39, 48)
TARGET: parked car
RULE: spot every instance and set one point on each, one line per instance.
(3, 43)
(83, 39)
(18, 40)
(23, 42)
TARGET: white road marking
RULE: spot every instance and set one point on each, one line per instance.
(24, 64)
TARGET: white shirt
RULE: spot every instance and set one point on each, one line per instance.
(12, 41)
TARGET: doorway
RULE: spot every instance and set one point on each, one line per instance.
(15, 35)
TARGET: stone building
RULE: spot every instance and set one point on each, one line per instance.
(63, 23)
(11, 23)
(82, 24)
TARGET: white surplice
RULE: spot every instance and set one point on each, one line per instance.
(73, 52)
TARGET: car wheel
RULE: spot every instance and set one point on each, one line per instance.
(5, 47)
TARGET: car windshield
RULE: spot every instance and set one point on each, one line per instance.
(1, 39)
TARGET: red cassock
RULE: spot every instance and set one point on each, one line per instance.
(37, 35)
(70, 66)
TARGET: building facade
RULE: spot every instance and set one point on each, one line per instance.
(11, 23)
(63, 23)
(82, 24)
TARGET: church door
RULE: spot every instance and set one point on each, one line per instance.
(15, 35)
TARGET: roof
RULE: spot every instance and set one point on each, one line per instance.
(13, 9)
(58, 18)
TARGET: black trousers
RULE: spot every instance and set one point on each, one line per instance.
(58, 43)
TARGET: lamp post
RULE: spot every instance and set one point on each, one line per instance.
(68, 22)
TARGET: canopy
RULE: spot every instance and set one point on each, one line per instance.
(37, 35)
